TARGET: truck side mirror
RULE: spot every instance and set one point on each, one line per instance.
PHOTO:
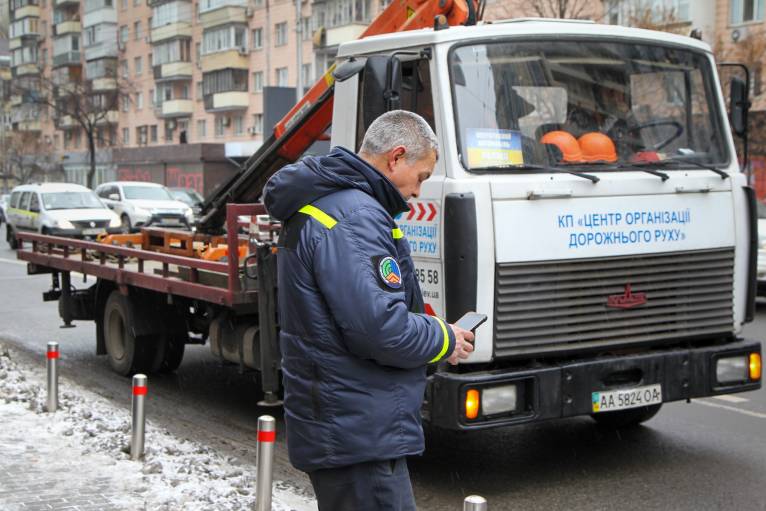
(381, 87)
(739, 106)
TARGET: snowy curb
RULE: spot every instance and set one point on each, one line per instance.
(176, 473)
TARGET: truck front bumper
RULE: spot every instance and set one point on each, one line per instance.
(565, 389)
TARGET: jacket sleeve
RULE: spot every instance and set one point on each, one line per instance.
(372, 317)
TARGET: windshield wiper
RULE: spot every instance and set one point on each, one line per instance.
(640, 166)
(706, 166)
(544, 169)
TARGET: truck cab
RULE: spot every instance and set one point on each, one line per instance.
(587, 197)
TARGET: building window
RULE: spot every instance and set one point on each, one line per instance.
(125, 103)
(124, 4)
(137, 31)
(281, 77)
(152, 98)
(136, 3)
(125, 136)
(224, 38)
(258, 123)
(185, 91)
(280, 34)
(257, 38)
(139, 100)
(199, 91)
(124, 68)
(138, 65)
(220, 126)
(123, 34)
(743, 11)
(306, 76)
(201, 129)
(258, 81)
(153, 133)
(306, 29)
(224, 80)
(239, 125)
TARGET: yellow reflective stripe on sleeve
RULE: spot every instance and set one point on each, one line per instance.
(397, 233)
(318, 215)
(445, 345)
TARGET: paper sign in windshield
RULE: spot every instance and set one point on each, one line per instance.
(491, 147)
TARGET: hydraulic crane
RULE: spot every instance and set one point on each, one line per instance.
(307, 121)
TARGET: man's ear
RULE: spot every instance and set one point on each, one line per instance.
(394, 155)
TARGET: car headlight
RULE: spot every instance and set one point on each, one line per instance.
(189, 214)
(142, 212)
(115, 221)
(64, 224)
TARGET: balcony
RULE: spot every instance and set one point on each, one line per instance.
(15, 100)
(230, 59)
(65, 89)
(27, 126)
(177, 108)
(337, 35)
(66, 122)
(70, 58)
(111, 117)
(171, 30)
(26, 70)
(28, 11)
(105, 49)
(102, 15)
(223, 15)
(14, 43)
(66, 3)
(173, 71)
(226, 101)
(67, 27)
(104, 84)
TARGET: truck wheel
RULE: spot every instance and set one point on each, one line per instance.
(127, 353)
(174, 351)
(11, 237)
(622, 419)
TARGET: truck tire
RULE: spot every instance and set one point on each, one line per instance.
(127, 353)
(174, 351)
(11, 237)
(623, 419)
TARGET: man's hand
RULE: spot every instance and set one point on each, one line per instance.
(463, 344)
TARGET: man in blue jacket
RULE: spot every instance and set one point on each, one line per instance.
(355, 342)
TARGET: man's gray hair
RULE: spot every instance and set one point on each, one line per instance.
(400, 128)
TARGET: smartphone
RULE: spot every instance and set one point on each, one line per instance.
(471, 321)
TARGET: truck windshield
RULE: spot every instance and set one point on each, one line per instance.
(584, 104)
(146, 193)
(71, 200)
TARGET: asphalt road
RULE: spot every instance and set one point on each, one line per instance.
(710, 454)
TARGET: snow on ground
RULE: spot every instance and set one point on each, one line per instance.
(90, 438)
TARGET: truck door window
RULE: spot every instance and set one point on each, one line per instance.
(15, 196)
(519, 106)
(416, 95)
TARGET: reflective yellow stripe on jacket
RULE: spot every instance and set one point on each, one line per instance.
(318, 215)
(445, 343)
(397, 233)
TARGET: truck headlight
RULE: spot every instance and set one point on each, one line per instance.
(732, 369)
(64, 224)
(501, 399)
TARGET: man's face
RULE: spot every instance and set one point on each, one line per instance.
(408, 176)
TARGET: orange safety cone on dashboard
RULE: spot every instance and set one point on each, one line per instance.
(596, 146)
(566, 143)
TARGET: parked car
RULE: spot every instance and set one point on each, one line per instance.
(190, 197)
(141, 204)
(761, 249)
(3, 206)
(60, 209)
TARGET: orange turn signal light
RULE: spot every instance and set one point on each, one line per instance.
(755, 366)
(472, 404)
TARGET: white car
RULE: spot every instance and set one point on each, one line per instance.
(59, 209)
(141, 204)
(761, 249)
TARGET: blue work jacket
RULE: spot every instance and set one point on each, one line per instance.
(355, 343)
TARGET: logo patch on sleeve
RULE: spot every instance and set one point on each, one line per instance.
(390, 273)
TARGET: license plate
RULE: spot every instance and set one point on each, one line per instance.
(626, 398)
(91, 232)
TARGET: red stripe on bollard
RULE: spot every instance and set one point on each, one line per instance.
(267, 436)
(53, 354)
(139, 391)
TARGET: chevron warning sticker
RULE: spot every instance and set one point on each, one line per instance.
(420, 226)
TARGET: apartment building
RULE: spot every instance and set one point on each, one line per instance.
(176, 73)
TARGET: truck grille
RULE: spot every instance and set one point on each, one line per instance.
(562, 305)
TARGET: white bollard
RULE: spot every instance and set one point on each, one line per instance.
(52, 358)
(475, 503)
(267, 435)
(139, 417)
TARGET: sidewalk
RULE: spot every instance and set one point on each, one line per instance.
(76, 459)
